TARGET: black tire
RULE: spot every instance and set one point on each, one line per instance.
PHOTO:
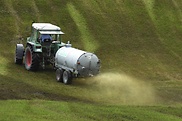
(67, 77)
(19, 54)
(31, 59)
(59, 75)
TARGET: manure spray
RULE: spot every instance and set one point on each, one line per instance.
(115, 88)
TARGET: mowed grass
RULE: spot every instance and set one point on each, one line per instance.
(138, 42)
(30, 110)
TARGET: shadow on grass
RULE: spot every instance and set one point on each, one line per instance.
(17, 89)
(12, 89)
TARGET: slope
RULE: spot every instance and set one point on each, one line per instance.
(135, 40)
(138, 42)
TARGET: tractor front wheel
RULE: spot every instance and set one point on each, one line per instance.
(31, 59)
(19, 54)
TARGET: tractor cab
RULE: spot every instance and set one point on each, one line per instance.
(45, 36)
(42, 45)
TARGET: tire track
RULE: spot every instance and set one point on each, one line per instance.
(14, 14)
(35, 8)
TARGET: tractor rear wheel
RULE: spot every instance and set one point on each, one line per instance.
(19, 54)
(67, 77)
(59, 75)
(31, 59)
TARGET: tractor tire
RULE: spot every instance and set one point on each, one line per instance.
(31, 59)
(19, 54)
(67, 77)
(59, 75)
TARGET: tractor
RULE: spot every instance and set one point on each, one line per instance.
(44, 47)
(41, 46)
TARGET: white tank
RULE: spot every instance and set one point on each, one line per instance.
(77, 61)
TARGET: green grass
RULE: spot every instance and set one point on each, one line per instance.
(30, 110)
(138, 42)
(87, 39)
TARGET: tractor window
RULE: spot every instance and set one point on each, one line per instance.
(34, 35)
(58, 37)
(55, 37)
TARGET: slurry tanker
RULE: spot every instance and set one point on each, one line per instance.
(44, 47)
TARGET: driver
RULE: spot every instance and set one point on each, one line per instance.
(44, 37)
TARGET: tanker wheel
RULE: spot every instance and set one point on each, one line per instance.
(31, 59)
(67, 77)
(59, 75)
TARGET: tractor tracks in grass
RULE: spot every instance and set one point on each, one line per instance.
(13, 12)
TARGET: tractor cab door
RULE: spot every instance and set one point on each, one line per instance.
(33, 37)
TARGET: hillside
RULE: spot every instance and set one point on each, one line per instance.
(138, 42)
(140, 39)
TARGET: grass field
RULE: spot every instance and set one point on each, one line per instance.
(138, 42)
(21, 110)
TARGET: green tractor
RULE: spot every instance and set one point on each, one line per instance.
(41, 46)
(44, 47)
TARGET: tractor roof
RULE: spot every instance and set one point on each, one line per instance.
(47, 28)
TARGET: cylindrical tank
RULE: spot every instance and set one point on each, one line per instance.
(77, 61)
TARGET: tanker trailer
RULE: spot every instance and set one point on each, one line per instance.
(71, 62)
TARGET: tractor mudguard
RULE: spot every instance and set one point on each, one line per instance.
(36, 47)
